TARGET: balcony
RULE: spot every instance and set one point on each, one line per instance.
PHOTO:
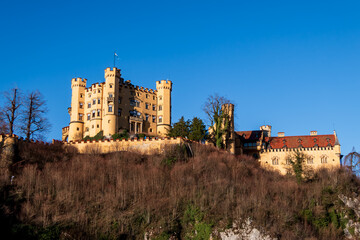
(136, 119)
(110, 99)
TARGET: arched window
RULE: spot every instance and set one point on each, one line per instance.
(310, 160)
(324, 159)
(275, 160)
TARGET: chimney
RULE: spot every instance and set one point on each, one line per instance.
(313, 133)
(281, 134)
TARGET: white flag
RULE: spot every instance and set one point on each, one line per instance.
(115, 54)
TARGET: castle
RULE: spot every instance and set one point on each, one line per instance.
(116, 105)
(273, 152)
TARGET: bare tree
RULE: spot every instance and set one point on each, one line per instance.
(352, 161)
(218, 117)
(33, 117)
(9, 112)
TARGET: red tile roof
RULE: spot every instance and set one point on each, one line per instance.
(307, 141)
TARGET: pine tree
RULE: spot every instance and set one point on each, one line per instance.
(180, 129)
(197, 130)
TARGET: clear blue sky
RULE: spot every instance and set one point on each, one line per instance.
(291, 64)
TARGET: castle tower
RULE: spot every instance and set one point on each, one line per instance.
(163, 88)
(76, 127)
(230, 136)
(110, 101)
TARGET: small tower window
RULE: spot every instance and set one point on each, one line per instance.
(81, 95)
(89, 105)
(147, 95)
(81, 105)
(153, 97)
(88, 116)
(80, 116)
(146, 105)
(98, 112)
(310, 160)
(99, 101)
(110, 108)
(119, 100)
(154, 107)
(160, 98)
(86, 129)
(160, 119)
(110, 85)
(323, 159)
(160, 107)
(151, 130)
(119, 112)
(97, 126)
(93, 113)
(153, 119)
(94, 101)
(99, 91)
(146, 117)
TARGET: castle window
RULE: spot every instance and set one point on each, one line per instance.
(160, 98)
(98, 113)
(86, 129)
(146, 117)
(310, 160)
(288, 162)
(132, 93)
(92, 126)
(119, 112)
(97, 126)
(88, 116)
(99, 91)
(151, 130)
(93, 113)
(160, 107)
(147, 95)
(139, 94)
(160, 119)
(153, 97)
(89, 105)
(81, 95)
(134, 103)
(275, 161)
(110, 95)
(119, 100)
(80, 117)
(110, 85)
(110, 108)
(77, 129)
(99, 100)
(81, 105)
(146, 105)
(94, 101)
(153, 119)
(154, 107)
(134, 113)
(323, 159)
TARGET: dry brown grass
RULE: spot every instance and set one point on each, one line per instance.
(123, 194)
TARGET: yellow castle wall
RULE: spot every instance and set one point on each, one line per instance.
(93, 103)
(332, 154)
(143, 146)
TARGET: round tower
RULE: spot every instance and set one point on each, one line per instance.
(163, 88)
(110, 101)
(76, 126)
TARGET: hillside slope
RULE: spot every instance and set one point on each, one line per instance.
(57, 193)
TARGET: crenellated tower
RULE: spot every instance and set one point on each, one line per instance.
(110, 101)
(164, 88)
(76, 111)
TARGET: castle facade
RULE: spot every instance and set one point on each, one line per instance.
(116, 105)
(274, 151)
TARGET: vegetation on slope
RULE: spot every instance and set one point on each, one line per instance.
(58, 193)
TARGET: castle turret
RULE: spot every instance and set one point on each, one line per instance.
(76, 127)
(110, 103)
(163, 88)
(229, 138)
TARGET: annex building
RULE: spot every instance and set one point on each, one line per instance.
(273, 151)
(116, 105)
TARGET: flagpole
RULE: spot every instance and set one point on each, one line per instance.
(114, 58)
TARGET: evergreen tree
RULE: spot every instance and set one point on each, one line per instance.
(197, 130)
(180, 129)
